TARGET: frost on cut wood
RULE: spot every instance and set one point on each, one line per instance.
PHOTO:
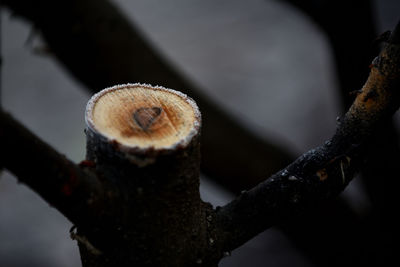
(104, 48)
(135, 199)
(144, 141)
(143, 117)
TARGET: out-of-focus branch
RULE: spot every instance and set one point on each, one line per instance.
(74, 191)
(98, 45)
(321, 173)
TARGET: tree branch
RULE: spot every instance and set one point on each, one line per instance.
(73, 190)
(321, 173)
(353, 48)
(98, 45)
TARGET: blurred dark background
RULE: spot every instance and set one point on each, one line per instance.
(264, 61)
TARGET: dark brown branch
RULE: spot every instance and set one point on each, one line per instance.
(243, 183)
(87, 58)
(74, 191)
(157, 217)
(383, 156)
(352, 45)
(321, 173)
(98, 45)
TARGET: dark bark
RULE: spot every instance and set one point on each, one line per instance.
(243, 160)
(98, 45)
(380, 175)
(352, 39)
(159, 197)
(64, 185)
(321, 173)
(156, 217)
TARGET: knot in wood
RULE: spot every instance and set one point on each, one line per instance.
(144, 117)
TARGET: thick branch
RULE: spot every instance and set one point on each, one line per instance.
(321, 173)
(100, 47)
(74, 191)
(146, 141)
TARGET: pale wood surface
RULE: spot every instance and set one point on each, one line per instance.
(142, 116)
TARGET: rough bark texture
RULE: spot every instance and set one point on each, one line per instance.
(352, 39)
(321, 173)
(156, 217)
(381, 179)
(318, 175)
(66, 186)
(89, 43)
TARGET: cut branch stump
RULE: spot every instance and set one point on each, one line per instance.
(144, 141)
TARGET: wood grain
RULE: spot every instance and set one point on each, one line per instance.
(137, 115)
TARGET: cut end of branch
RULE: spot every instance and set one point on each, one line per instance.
(143, 117)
